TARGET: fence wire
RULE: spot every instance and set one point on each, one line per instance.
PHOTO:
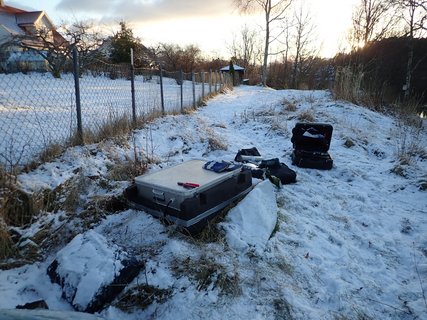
(38, 111)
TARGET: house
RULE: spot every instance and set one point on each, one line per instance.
(238, 71)
(18, 36)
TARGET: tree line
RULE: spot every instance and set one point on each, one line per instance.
(387, 46)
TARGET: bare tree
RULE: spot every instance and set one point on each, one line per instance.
(372, 21)
(303, 38)
(274, 11)
(86, 38)
(49, 44)
(175, 57)
(414, 15)
(285, 43)
(245, 47)
(56, 47)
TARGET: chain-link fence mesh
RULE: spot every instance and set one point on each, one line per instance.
(38, 110)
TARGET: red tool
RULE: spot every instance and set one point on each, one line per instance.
(188, 185)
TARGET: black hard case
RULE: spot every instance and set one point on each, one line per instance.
(159, 194)
(311, 142)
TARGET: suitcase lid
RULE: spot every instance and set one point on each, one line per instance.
(310, 136)
(190, 171)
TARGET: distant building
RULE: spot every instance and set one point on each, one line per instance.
(238, 70)
(18, 35)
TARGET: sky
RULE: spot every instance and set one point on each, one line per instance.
(208, 24)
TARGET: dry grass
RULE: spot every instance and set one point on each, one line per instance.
(127, 170)
(349, 143)
(7, 248)
(214, 141)
(290, 107)
(348, 84)
(51, 152)
(407, 111)
(306, 116)
(409, 144)
(75, 187)
(141, 296)
(120, 126)
(208, 274)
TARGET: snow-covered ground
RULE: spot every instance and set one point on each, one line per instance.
(347, 243)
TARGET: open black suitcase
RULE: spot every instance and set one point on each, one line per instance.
(311, 142)
(159, 193)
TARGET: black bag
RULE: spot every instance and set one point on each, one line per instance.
(280, 170)
(252, 152)
(311, 143)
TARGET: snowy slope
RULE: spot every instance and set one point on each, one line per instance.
(349, 243)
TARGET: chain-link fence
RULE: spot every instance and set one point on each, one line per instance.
(38, 111)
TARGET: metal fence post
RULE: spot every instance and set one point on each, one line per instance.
(132, 85)
(210, 81)
(77, 92)
(181, 83)
(162, 98)
(193, 81)
(216, 81)
(203, 85)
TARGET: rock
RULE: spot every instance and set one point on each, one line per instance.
(92, 272)
(39, 304)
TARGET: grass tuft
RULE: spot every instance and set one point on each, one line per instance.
(306, 116)
(141, 296)
(7, 248)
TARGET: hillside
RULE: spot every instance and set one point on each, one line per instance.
(349, 243)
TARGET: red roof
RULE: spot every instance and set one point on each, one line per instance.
(13, 10)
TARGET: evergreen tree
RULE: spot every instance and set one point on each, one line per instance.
(121, 44)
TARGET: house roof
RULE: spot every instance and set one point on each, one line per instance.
(28, 18)
(17, 21)
(11, 10)
(235, 66)
(8, 22)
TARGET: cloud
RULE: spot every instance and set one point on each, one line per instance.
(147, 10)
(92, 6)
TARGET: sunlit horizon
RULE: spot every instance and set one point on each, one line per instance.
(212, 32)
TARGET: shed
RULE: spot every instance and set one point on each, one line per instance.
(239, 71)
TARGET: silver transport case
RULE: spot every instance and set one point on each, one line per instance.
(159, 193)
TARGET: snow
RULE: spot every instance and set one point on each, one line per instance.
(251, 223)
(86, 264)
(349, 242)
